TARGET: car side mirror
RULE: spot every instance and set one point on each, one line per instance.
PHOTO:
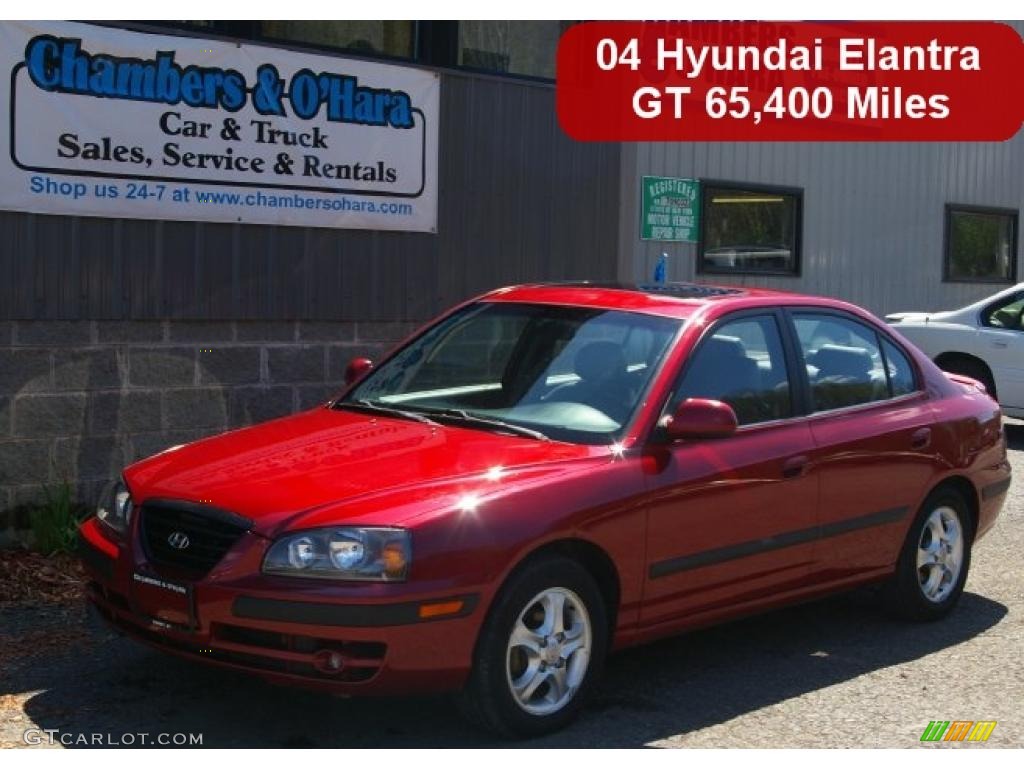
(699, 417)
(357, 368)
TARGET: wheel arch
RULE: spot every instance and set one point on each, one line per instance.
(965, 488)
(946, 358)
(479, 700)
(592, 557)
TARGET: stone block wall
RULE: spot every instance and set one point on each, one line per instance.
(81, 399)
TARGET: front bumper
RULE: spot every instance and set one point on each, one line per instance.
(345, 639)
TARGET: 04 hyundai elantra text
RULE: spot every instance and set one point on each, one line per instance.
(548, 473)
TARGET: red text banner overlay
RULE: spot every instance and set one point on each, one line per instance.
(791, 81)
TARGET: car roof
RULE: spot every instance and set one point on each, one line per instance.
(676, 299)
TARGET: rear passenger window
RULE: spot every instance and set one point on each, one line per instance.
(742, 364)
(844, 364)
(901, 373)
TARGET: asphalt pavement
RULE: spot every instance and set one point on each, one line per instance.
(835, 673)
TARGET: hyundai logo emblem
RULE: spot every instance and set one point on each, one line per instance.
(178, 540)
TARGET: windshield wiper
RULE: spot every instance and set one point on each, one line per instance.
(461, 415)
(377, 408)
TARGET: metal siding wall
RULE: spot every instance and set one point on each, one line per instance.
(873, 219)
(518, 202)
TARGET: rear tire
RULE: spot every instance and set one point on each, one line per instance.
(540, 651)
(966, 366)
(934, 561)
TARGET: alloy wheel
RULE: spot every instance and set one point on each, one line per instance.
(549, 651)
(940, 554)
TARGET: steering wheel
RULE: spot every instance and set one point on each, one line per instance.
(600, 398)
(565, 385)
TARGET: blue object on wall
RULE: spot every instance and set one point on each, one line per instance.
(661, 270)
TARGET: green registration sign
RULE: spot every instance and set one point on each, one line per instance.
(669, 209)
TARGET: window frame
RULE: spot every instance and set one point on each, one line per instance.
(800, 386)
(880, 334)
(947, 241)
(741, 186)
(797, 396)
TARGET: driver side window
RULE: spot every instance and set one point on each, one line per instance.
(1006, 314)
(742, 364)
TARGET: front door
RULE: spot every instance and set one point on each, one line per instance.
(732, 519)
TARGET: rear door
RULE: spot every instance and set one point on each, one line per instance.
(732, 519)
(872, 429)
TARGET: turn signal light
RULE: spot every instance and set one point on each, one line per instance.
(433, 610)
(394, 560)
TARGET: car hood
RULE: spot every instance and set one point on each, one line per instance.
(331, 466)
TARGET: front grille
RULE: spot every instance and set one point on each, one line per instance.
(211, 533)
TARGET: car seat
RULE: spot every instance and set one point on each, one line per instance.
(844, 377)
(722, 370)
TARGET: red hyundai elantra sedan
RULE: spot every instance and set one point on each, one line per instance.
(548, 473)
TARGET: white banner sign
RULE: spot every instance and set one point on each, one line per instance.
(106, 122)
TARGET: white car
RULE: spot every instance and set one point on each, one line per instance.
(984, 340)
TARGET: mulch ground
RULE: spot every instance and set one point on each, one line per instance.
(31, 583)
(28, 577)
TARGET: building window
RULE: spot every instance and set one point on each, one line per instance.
(981, 244)
(519, 48)
(369, 38)
(511, 47)
(748, 228)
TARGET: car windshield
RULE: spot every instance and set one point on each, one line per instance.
(550, 372)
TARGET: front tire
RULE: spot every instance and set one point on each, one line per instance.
(540, 652)
(934, 561)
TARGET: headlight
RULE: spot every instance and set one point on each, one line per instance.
(115, 507)
(355, 554)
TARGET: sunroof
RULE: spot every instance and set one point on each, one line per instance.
(687, 290)
(679, 290)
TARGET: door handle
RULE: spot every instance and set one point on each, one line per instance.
(794, 467)
(921, 439)
(999, 344)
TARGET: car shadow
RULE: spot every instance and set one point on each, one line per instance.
(109, 685)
